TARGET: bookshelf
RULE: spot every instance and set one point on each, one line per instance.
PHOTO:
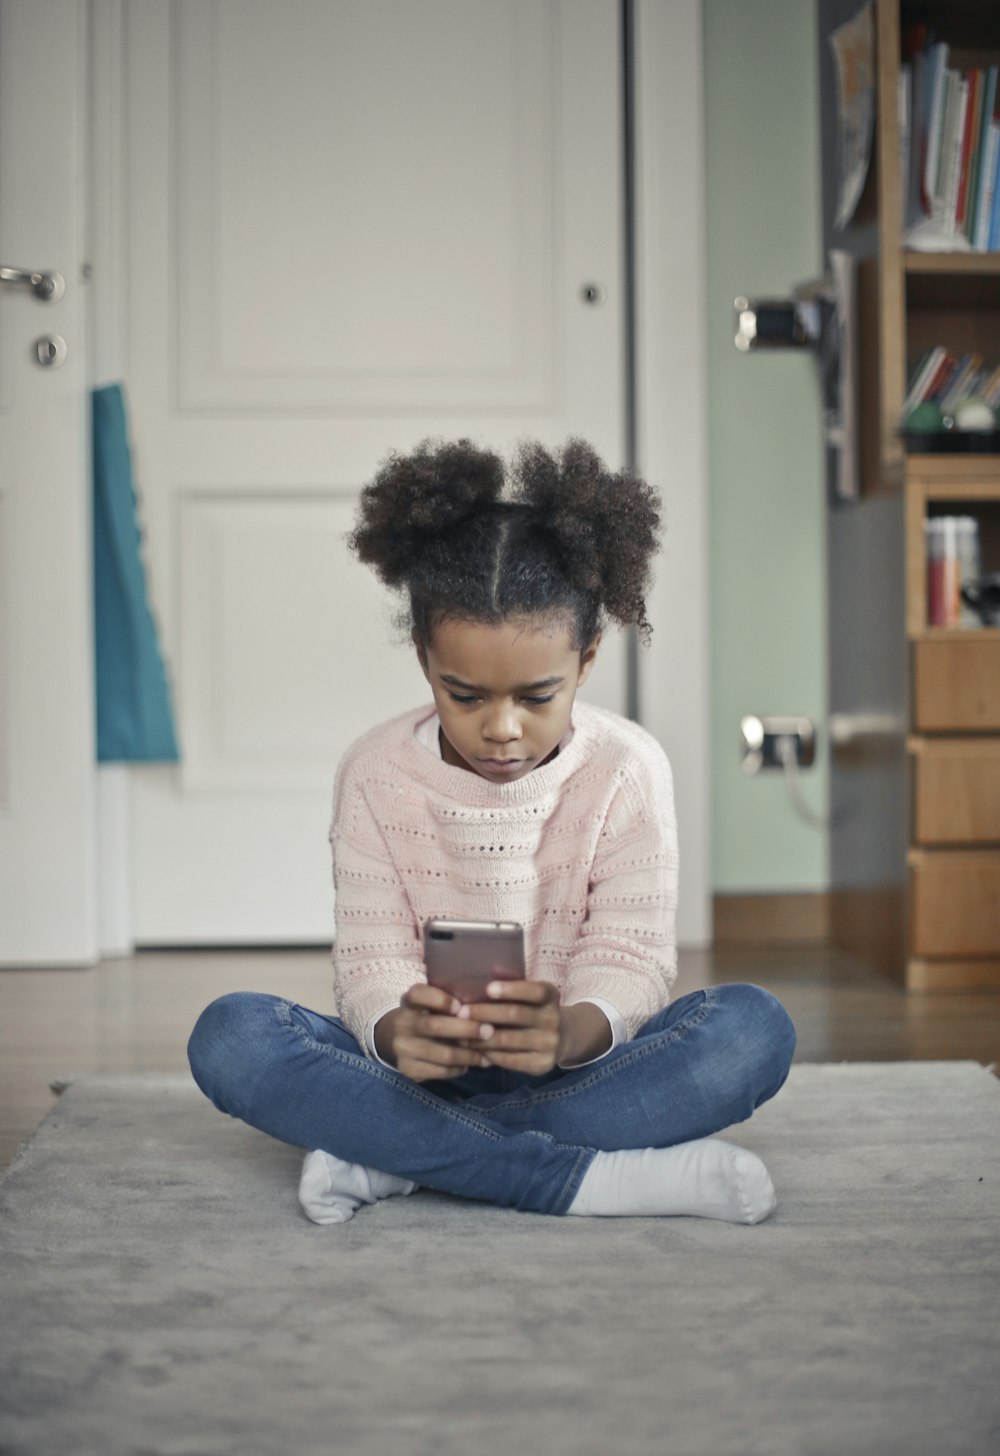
(915, 839)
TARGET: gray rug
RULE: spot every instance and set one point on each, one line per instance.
(162, 1295)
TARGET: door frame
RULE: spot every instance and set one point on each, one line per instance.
(671, 409)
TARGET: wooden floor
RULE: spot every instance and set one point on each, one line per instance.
(134, 1014)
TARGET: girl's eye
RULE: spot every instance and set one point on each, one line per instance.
(540, 700)
(459, 698)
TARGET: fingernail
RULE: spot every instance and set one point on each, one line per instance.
(462, 1013)
(495, 988)
(456, 1006)
(485, 1030)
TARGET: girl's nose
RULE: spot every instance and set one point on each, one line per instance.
(501, 726)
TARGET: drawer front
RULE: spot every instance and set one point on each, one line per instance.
(956, 792)
(956, 685)
(955, 903)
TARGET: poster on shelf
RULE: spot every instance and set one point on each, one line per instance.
(853, 46)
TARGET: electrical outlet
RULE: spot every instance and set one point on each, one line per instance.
(763, 741)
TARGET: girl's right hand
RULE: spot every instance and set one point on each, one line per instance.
(424, 1039)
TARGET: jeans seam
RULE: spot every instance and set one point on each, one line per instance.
(389, 1075)
(603, 1073)
(576, 1177)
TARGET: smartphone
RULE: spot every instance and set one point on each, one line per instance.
(463, 956)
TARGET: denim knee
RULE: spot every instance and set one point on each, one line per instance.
(770, 1038)
(220, 1048)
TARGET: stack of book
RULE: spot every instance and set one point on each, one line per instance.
(952, 561)
(950, 149)
(946, 380)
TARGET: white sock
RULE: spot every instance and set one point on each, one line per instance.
(331, 1190)
(708, 1178)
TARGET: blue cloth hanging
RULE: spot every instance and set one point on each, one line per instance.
(135, 722)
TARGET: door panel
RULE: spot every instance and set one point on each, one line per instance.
(48, 887)
(353, 225)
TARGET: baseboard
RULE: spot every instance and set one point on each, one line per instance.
(799, 918)
(869, 923)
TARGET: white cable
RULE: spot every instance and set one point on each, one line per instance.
(787, 749)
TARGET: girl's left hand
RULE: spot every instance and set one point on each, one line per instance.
(528, 1025)
(531, 1032)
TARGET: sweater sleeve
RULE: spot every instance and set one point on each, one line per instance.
(377, 951)
(626, 951)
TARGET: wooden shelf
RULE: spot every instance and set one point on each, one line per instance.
(955, 634)
(955, 476)
(914, 262)
(915, 852)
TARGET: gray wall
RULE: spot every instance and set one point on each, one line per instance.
(766, 490)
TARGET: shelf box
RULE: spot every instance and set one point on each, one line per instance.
(956, 684)
(955, 899)
(956, 790)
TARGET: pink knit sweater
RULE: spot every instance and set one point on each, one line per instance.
(582, 852)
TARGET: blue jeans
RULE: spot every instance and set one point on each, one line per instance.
(699, 1065)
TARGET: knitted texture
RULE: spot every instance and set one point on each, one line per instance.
(582, 852)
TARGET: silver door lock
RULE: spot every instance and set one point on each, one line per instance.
(50, 351)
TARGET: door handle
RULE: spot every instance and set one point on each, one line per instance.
(46, 286)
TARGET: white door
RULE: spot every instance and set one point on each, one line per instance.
(48, 886)
(353, 224)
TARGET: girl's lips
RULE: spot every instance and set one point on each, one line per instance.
(502, 765)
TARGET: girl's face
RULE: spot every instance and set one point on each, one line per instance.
(504, 694)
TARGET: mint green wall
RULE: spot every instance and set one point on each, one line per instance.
(766, 493)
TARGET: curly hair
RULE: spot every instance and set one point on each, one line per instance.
(570, 539)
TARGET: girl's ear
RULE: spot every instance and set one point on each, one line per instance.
(587, 658)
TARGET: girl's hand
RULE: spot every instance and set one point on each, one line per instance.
(527, 1029)
(424, 1039)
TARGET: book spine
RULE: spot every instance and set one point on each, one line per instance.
(925, 373)
(953, 142)
(942, 379)
(918, 138)
(904, 98)
(970, 130)
(938, 62)
(983, 157)
(991, 389)
(963, 380)
(987, 189)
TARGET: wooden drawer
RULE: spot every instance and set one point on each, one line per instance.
(956, 790)
(956, 684)
(955, 902)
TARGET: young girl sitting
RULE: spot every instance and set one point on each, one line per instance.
(578, 1090)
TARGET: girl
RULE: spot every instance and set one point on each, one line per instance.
(578, 1090)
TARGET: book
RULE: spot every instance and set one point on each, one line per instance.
(904, 104)
(962, 385)
(983, 179)
(946, 372)
(949, 149)
(992, 165)
(925, 371)
(970, 146)
(938, 63)
(950, 173)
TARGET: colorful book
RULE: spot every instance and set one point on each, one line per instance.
(970, 144)
(987, 188)
(922, 377)
(983, 175)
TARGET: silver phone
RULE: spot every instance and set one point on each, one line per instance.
(463, 956)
